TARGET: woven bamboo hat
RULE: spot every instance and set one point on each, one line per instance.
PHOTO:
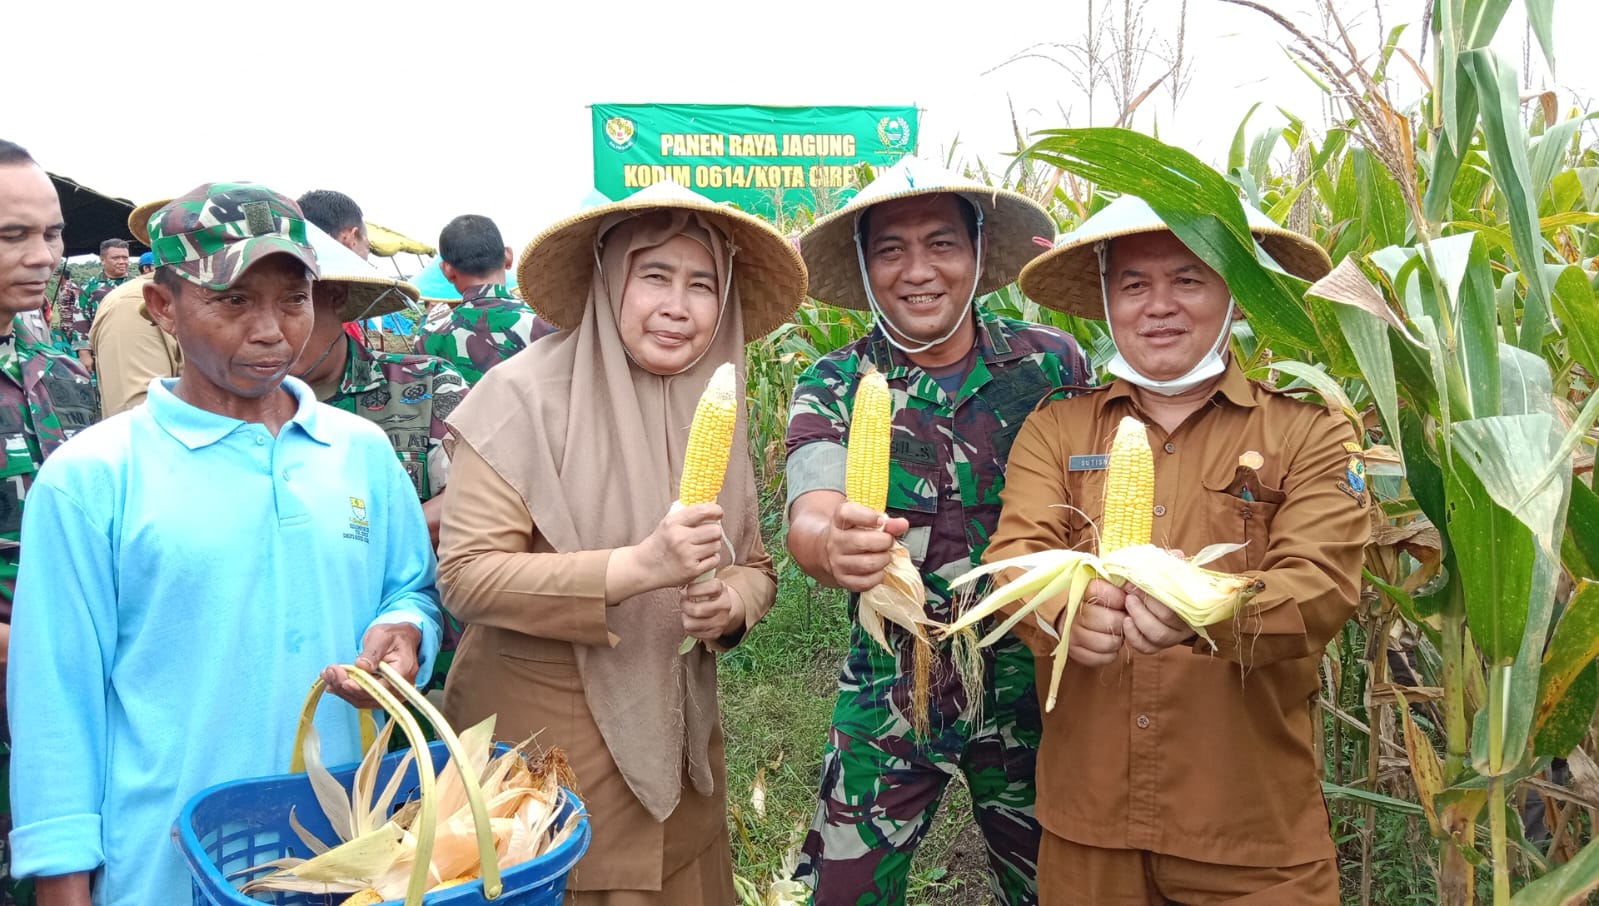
(1015, 230)
(1066, 278)
(371, 295)
(555, 269)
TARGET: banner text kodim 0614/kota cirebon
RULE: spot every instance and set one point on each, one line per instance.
(759, 158)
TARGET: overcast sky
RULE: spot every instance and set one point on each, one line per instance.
(425, 110)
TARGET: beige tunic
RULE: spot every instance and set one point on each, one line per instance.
(525, 607)
(129, 349)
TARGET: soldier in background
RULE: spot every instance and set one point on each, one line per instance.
(916, 247)
(113, 273)
(45, 398)
(408, 396)
(490, 324)
(337, 214)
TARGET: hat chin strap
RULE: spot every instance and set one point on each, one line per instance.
(1208, 366)
(889, 327)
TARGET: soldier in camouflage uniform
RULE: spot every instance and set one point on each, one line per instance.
(963, 380)
(490, 324)
(408, 396)
(45, 398)
(113, 273)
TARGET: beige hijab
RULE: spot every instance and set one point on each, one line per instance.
(594, 445)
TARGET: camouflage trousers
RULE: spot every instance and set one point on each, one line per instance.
(12, 891)
(880, 791)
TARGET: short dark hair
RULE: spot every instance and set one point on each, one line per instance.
(167, 275)
(112, 243)
(472, 245)
(334, 212)
(12, 153)
(968, 216)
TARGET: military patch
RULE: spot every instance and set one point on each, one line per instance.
(917, 452)
(258, 220)
(1354, 480)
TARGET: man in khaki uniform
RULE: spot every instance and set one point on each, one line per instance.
(129, 349)
(1173, 769)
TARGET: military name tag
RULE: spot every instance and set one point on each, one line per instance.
(1089, 463)
(920, 452)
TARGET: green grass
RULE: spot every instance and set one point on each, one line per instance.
(777, 693)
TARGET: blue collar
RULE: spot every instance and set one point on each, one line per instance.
(195, 427)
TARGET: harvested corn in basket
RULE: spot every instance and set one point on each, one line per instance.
(337, 836)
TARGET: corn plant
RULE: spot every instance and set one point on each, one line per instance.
(1458, 317)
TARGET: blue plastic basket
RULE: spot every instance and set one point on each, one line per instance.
(233, 826)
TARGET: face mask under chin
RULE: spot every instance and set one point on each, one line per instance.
(1207, 368)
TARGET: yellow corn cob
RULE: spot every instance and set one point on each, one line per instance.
(866, 475)
(1129, 489)
(365, 897)
(710, 439)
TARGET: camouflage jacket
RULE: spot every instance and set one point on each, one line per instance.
(488, 327)
(45, 398)
(408, 396)
(76, 321)
(947, 462)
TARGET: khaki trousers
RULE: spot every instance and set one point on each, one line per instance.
(1070, 874)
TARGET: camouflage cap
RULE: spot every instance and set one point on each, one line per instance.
(213, 233)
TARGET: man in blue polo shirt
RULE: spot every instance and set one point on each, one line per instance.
(211, 553)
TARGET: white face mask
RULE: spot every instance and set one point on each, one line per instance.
(889, 328)
(1209, 365)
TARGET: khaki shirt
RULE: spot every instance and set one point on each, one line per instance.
(1196, 752)
(525, 606)
(129, 349)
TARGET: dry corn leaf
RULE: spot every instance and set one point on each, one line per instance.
(758, 793)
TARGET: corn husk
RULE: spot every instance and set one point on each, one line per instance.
(376, 855)
(1201, 597)
(901, 599)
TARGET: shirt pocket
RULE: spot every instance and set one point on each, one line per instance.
(416, 468)
(1231, 518)
(915, 489)
(915, 540)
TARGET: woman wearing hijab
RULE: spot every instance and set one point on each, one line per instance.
(559, 550)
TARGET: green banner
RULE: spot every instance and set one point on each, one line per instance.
(759, 158)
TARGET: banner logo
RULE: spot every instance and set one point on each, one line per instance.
(619, 132)
(893, 131)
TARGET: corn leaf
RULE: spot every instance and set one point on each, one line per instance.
(1477, 325)
(1541, 19)
(1579, 316)
(1495, 83)
(330, 794)
(1579, 546)
(1382, 206)
(1571, 651)
(1494, 554)
(1550, 149)
(1562, 728)
(1331, 394)
(1235, 154)
(1565, 883)
(1200, 206)
(1425, 771)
